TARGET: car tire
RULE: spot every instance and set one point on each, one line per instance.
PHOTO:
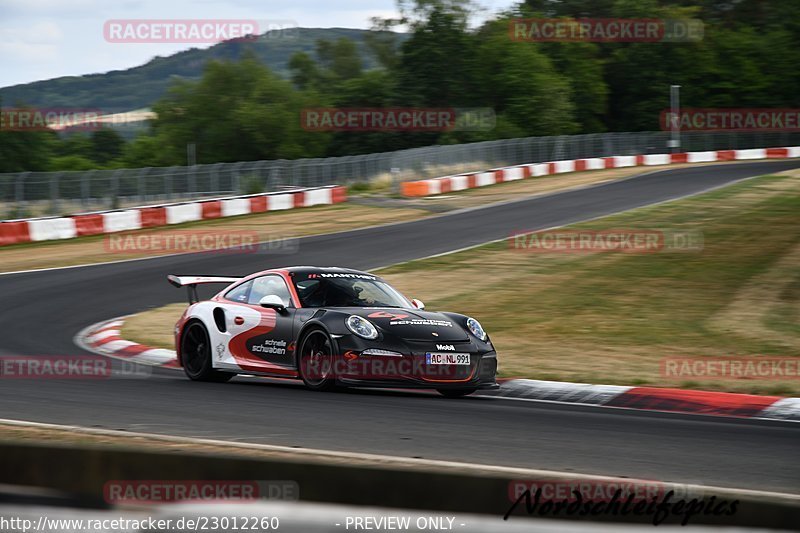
(455, 393)
(196, 355)
(315, 360)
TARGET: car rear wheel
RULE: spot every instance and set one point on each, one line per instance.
(455, 393)
(316, 360)
(196, 355)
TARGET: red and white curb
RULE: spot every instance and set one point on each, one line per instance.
(459, 182)
(102, 222)
(655, 399)
(105, 338)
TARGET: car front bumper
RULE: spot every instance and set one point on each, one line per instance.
(412, 371)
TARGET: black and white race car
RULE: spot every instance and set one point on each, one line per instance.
(329, 327)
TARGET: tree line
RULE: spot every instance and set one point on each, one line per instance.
(239, 110)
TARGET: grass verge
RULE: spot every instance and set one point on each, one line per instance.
(613, 317)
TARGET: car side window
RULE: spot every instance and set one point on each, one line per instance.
(239, 293)
(266, 285)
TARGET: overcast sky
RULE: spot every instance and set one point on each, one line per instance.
(43, 39)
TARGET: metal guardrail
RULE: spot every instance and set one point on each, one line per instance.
(40, 193)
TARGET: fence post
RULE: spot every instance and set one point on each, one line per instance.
(85, 190)
(293, 173)
(192, 185)
(608, 145)
(263, 174)
(19, 195)
(282, 175)
(558, 148)
(114, 199)
(273, 179)
(237, 178)
(54, 200)
(215, 177)
(168, 183)
(326, 171)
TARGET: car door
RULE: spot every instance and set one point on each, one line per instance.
(270, 340)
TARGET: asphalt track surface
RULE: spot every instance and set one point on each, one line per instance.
(42, 311)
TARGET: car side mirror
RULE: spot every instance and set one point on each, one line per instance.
(418, 304)
(272, 301)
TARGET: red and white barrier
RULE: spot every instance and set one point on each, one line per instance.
(51, 229)
(460, 182)
(655, 159)
(57, 228)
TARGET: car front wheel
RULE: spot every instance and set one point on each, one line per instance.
(316, 360)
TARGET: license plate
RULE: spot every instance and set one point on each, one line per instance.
(447, 358)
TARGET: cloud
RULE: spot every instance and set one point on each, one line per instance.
(29, 53)
(44, 32)
(49, 8)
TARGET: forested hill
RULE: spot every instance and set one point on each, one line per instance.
(141, 86)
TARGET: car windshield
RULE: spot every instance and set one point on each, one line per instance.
(315, 290)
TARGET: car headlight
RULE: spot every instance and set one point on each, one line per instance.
(476, 329)
(361, 327)
(384, 353)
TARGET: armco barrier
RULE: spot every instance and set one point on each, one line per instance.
(56, 228)
(460, 182)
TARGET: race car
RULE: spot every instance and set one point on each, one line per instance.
(329, 327)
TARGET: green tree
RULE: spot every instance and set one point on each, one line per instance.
(72, 162)
(570, 8)
(339, 58)
(76, 143)
(383, 44)
(305, 73)
(22, 150)
(238, 111)
(639, 74)
(524, 86)
(107, 144)
(436, 67)
(146, 150)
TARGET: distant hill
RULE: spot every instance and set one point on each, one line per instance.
(139, 87)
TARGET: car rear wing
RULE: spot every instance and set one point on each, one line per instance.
(191, 283)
